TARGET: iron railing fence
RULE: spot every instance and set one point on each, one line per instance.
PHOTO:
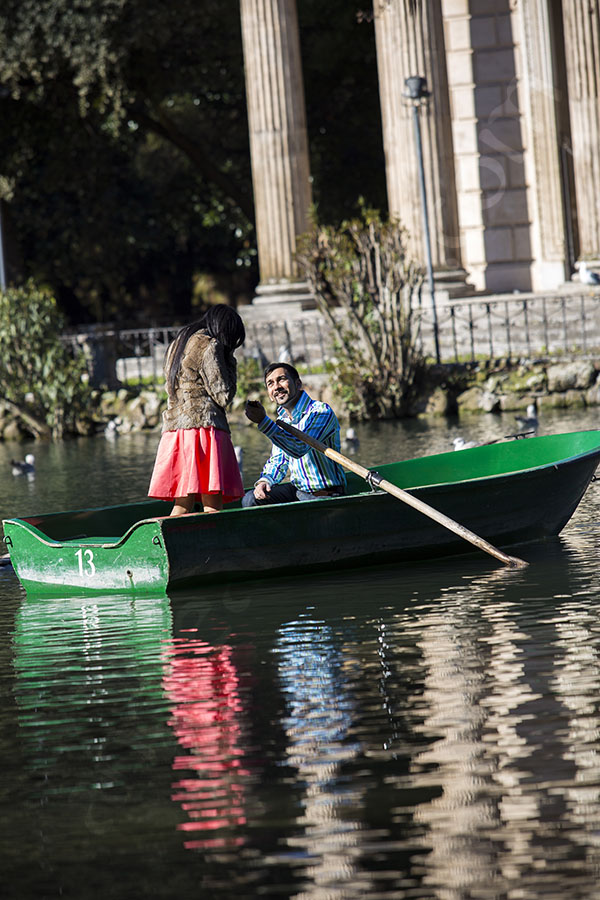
(515, 327)
(305, 341)
(123, 355)
(510, 327)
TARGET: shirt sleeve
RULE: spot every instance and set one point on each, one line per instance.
(276, 467)
(320, 424)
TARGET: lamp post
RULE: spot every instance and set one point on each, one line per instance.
(2, 268)
(416, 91)
(4, 92)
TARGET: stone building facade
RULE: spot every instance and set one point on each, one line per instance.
(510, 138)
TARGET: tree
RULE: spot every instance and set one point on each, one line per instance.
(365, 284)
(132, 62)
(124, 148)
(124, 152)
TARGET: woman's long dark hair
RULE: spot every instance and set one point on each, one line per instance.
(220, 322)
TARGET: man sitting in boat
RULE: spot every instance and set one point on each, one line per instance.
(312, 474)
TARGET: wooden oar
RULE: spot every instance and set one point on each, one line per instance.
(374, 479)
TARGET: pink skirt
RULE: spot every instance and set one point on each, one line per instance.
(196, 461)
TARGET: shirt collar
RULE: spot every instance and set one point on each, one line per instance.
(298, 411)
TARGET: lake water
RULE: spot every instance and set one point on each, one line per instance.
(427, 731)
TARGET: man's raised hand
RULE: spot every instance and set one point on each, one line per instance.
(254, 411)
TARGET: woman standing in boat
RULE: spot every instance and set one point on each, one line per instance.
(195, 457)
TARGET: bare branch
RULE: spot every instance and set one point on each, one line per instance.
(362, 269)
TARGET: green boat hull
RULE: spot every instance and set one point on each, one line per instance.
(507, 493)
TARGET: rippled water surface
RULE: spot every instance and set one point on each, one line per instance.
(428, 731)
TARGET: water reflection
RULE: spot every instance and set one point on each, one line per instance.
(84, 668)
(451, 736)
(318, 723)
(425, 732)
(202, 682)
(506, 748)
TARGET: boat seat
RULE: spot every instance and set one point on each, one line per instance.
(87, 539)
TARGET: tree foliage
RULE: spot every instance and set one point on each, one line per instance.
(124, 151)
(365, 284)
(42, 382)
(124, 148)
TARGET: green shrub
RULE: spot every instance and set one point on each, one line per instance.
(250, 382)
(43, 383)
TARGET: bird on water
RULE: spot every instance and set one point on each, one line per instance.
(461, 444)
(351, 442)
(530, 419)
(23, 467)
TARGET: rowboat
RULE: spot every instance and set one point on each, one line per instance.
(510, 493)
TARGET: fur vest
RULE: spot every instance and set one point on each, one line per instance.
(206, 384)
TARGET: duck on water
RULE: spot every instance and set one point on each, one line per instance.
(23, 467)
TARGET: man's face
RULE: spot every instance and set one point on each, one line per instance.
(282, 388)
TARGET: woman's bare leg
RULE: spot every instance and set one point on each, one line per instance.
(183, 505)
(212, 502)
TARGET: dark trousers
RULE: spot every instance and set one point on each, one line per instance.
(283, 493)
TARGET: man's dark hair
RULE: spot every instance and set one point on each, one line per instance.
(288, 368)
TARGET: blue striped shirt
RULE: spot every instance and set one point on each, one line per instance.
(309, 470)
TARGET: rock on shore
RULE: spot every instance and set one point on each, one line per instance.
(460, 390)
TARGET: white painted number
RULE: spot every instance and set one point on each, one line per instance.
(90, 568)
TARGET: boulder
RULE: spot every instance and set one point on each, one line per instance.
(135, 414)
(592, 395)
(152, 403)
(563, 400)
(516, 402)
(470, 400)
(13, 432)
(489, 402)
(536, 382)
(437, 403)
(565, 376)
(494, 383)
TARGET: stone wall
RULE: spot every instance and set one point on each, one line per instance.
(458, 389)
(566, 385)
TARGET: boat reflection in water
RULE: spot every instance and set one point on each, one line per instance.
(97, 686)
(87, 672)
(202, 683)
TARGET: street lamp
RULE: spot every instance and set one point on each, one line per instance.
(2, 268)
(416, 91)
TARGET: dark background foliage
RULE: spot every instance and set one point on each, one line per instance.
(124, 157)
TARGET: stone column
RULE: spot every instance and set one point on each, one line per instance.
(278, 142)
(581, 19)
(548, 229)
(410, 41)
